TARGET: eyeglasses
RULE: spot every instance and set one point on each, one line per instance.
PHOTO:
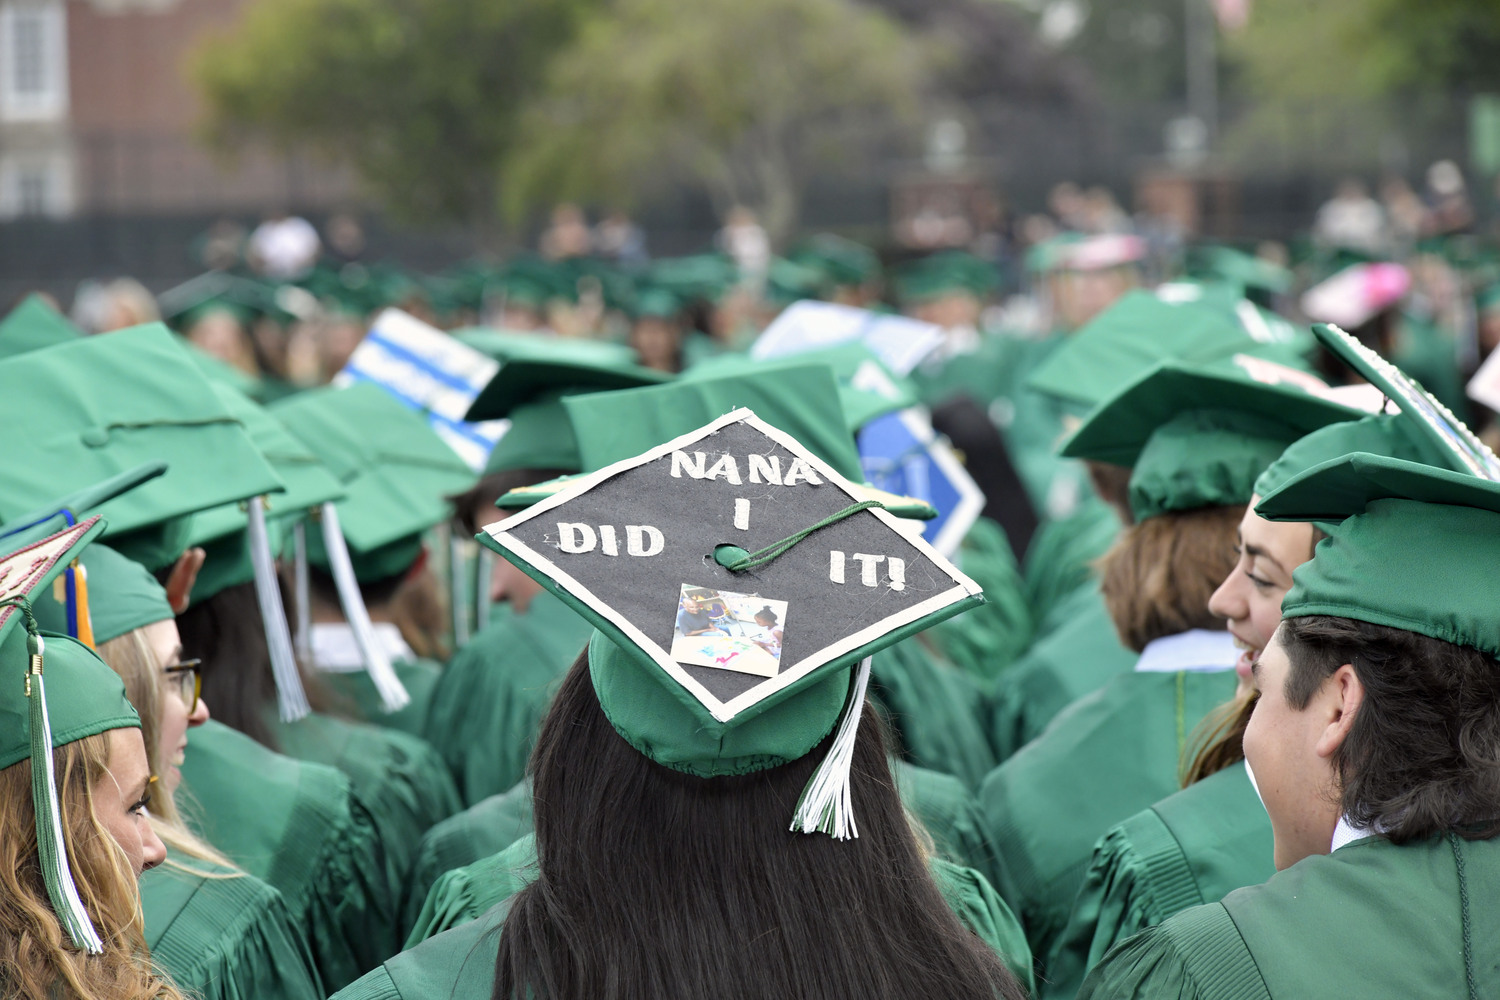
(185, 679)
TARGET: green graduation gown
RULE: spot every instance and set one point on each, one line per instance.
(1061, 558)
(1069, 662)
(1371, 920)
(300, 827)
(987, 640)
(1192, 847)
(420, 677)
(475, 896)
(225, 938)
(489, 702)
(936, 710)
(1106, 757)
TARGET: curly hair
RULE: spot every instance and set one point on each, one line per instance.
(36, 960)
(1423, 754)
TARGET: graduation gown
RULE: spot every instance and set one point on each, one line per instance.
(399, 777)
(936, 710)
(490, 699)
(300, 827)
(1370, 920)
(225, 938)
(1069, 662)
(985, 641)
(1105, 758)
(474, 898)
(420, 677)
(1193, 847)
(1061, 558)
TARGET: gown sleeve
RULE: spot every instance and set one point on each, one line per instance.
(979, 908)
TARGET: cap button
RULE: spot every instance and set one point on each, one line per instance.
(95, 437)
(730, 556)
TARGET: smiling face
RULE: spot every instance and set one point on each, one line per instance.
(1249, 599)
(174, 719)
(119, 799)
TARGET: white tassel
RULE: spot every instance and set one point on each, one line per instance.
(392, 692)
(291, 699)
(72, 914)
(458, 566)
(827, 804)
(302, 641)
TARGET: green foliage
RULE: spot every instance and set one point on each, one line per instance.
(421, 96)
(732, 93)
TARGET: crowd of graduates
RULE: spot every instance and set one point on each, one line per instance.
(1225, 723)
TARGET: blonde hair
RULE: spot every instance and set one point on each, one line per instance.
(131, 656)
(36, 960)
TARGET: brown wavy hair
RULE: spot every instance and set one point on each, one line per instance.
(1423, 754)
(1159, 574)
(37, 962)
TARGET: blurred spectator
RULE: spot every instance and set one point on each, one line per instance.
(1404, 213)
(1069, 207)
(346, 239)
(223, 246)
(620, 240)
(1103, 213)
(284, 246)
(1351, 220)
(124, 302)
(1448, 208)
(743, 239)
(568, 234)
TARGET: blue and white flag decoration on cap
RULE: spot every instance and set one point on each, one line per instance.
(900, 342)
(430, 371)
(902, 454)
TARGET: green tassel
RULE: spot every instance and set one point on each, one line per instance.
(51, 848)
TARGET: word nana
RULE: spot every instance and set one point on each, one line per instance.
(576, 538)
(760, 469)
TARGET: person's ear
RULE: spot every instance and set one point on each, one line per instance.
(1343, 694)
(180, 581)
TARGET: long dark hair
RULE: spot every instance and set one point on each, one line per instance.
(1423, 754)
(657, 884)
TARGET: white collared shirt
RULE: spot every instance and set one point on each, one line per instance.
(1196, 649)
(334, 648)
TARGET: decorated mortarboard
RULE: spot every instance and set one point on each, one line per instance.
(736, 578)
(1459, 446)
(1139, 330)
(104, 405)
(1198, 436)
(1415, 547)
(32, 325)
(1357, 294)
(1084, 252)
(55, 691)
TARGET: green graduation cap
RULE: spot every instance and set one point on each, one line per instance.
(55, 692)
(944, 273)
(32, 325)
(1198, 436)
(844, 261)
(394, 468)
(123, 596)
(704, 277)
(532, 379)
(654, 302)
(740, 584)
(1138, 331)
(1237, 267)
(103, 405)
(1415, 547)
(246, 299)
(789, 281)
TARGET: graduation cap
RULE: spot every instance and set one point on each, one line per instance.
(32, 325)
(1245, 270)
(54, 691)
(123, 596)
(1139, 330)
(1198, 436)
(246, 299)
(533, 377)
(739, 524)
(395, 471)
(844, 261)
(1415, 547)
(241, 539)
(943, 273)
(1358, 293)
(103, 405)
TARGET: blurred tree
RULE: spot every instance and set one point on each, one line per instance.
(420, 96)
(732, 94)
(1369, 48)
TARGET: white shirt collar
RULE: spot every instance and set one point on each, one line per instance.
(1346, 833)
(1196, 649)
(334, 648)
